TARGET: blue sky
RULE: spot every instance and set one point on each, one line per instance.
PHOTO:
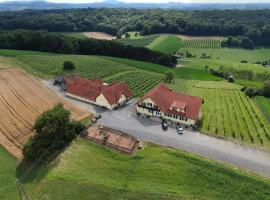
(159, 1)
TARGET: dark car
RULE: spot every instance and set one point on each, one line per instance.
(164, 126)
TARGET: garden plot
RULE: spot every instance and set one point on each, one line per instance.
(22, 100)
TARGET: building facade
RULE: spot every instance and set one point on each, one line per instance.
(97, 92)
(162, 102)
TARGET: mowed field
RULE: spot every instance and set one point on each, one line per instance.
(166, 44)
(89, 171)
(22, 99)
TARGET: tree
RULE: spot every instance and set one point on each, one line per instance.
(127, 35)
(266, 89)
(169, 75)
(68, 65)
(53, 130)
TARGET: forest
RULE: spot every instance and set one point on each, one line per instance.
(42, 40)
(253, 25)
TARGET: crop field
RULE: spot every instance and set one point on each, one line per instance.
(234, 54)
(201, 44)
(228, 113)
(138, 42)
(166, 44)
(86, 66)
(139, 81)
(22, 99)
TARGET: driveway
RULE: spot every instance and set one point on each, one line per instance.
(145, 129)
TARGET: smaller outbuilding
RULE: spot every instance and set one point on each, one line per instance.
(97, 92)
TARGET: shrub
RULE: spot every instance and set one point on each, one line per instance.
(169, 75)
(266, 89)
(68, 65)
(250, 91)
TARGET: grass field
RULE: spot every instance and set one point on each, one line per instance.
(89, 171)
(227, 112)
(166, 44)
(264, 105)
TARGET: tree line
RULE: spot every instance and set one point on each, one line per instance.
(252, 25)
(58, 43)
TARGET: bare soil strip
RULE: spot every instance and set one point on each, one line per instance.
(22, 99)
(99, 35)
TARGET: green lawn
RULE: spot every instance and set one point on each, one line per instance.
(166, 44)
(89, 171)
(264, 105)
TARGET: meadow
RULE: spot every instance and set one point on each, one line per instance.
(154, 173)
(166, 44)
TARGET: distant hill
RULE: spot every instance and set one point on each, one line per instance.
(21, 5)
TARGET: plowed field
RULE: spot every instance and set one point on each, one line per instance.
(22, 99)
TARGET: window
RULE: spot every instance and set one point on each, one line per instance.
(149, 104)
(157, 113)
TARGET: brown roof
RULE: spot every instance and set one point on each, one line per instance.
(91, 89)
(174, 103)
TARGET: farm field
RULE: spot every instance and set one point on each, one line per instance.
(264, 104)
(22, 99)
(86, 66)
(154, 173)
(138, 42)
(166, 44)
(201, 44)
(99, 35)
(139, 81)
(228, 113)
(233, 54)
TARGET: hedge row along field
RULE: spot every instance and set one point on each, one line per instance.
(139, 42)
(202, 44)
(139, 81)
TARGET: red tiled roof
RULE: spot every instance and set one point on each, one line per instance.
(166, 99)
(91, 89)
